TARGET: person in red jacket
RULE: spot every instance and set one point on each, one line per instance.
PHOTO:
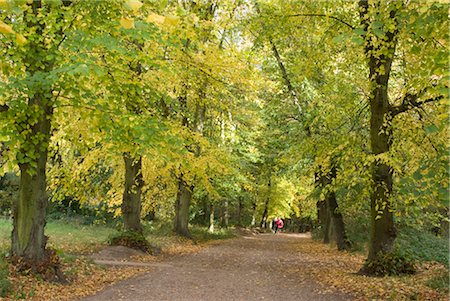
(280, 224)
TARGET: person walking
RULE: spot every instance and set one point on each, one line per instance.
(280, 225)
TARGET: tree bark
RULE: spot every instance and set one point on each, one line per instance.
(131, 201)
(383, 231)
(182, 204)
(253, 222)
(225, 214)
(211, 218)
(323, 216)
(338, 233)
(380, 57)
(28, 239)
(239, 212)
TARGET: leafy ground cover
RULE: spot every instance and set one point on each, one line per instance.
(74, 240)
(339, 270)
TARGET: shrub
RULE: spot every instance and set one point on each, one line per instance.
(391, 263)
(422, 246)
(134, 240)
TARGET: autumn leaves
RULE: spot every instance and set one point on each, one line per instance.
(132, 8)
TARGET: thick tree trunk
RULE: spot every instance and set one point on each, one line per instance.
(28, 239)
(211, 218)
(323, 216)
(131, 201)
(337, 226)
(380, 56)
(338, 232)
(182, 204)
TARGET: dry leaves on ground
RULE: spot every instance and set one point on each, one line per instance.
(339, 270)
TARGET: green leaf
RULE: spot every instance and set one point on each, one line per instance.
(429, 129)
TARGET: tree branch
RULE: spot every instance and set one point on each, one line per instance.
(410, 101)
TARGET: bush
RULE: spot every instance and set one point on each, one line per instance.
(134, 240)
(422, 246)
(391, 264)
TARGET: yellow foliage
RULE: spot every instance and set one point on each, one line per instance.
(171, 20)
(5, 28)
(155, 18)
(20, 39)
(127, 23)
(3, 4)
(134, 5)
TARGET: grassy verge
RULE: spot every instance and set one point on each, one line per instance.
(64, 237)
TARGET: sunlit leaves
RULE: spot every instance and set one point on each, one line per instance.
(5, 28)
(20, 39)
(133, 5)
(155, 18)
(127, 23)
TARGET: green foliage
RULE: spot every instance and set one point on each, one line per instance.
(5, 284)
(201, 234)
(422, 246)
(391, 263)
(440, 282)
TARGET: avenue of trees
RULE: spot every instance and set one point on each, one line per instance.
(330, 114)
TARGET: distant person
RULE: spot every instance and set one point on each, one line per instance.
(275, 225)
(279, 224)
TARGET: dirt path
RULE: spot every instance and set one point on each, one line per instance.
(261, 267)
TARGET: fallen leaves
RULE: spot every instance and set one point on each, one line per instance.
(86, 279)
(338, 270)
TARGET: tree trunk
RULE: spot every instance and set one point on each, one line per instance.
(263, 223)
(337, 226)
(324, 220)
(253, 222)
(211, 218)
(338, 232)
(182, 204)
(383, 232)
(28, 239)
(239, 212)
(131, 201)
(323, 214)
(225, 214)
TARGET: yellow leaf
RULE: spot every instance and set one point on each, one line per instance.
(171, 20)
(5, 28)
(127, 23)
(3, 4)
(20, 39)
(134, 5)
(154, 18)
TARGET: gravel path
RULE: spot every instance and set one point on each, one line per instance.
(260, 267)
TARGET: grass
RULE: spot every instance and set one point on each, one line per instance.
(64, 237)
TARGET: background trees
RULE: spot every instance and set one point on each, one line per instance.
(228, 113)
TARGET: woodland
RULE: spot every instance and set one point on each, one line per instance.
(332, 115)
